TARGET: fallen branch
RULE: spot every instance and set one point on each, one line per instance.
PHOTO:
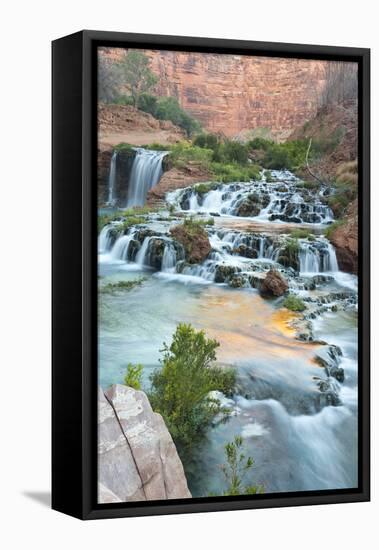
(307, 163)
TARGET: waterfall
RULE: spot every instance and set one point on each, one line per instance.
(120, 248)
(104, 241)
(317, 257)
(332, 259)
(145, 174)
(141, 257)
(112, 181)
(283, 200)
(169, 258)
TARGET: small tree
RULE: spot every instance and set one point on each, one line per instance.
(180, 389)
(136, 74)
(236, 467)
(133, 376)
(109, 80)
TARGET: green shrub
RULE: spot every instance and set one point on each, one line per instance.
(301, 233)
(157, 146)
(267, 174)
(124, 100)
(236, 468)
(207, 141)
(289, 155)
(204, 188)
(123, 147)
(180, 389)
(230, 151)
(294, 303)
(227, 173)
(184, 151)
(133, 376)
(260, 143)
(168, 108)
(110, 288)
(328, 232)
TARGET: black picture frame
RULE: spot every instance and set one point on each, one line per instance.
(74, 272)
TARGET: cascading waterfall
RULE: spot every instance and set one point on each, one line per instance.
(121, 248)
(284, 199)
(112, 180)
(104, 242)
(317, 257)
(145, 174)
(169, 258)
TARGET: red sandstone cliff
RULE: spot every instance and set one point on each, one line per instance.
(235, 93)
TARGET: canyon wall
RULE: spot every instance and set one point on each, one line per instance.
(234, 94)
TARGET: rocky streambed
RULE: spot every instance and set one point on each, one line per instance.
(296, 404)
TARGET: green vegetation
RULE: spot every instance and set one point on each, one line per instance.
(328, 232)
(136, 75)
(120, 286)
(346, 188)
(267, 174)
(289, 155)
(290, 253)
(302, 233)
(163, 108)
(180, 389)
(234, 172)
(204, 188)
(123, 147)
(127, 218)
(133, 376)
(294, 303)
(223, 151)
(236, 468)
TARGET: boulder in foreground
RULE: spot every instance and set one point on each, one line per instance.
(137, 456)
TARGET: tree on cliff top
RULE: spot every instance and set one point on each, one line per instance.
(136, 75)
(109, 80)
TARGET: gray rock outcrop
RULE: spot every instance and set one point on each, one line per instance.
(137, 458)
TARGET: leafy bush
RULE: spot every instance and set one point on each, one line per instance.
(180, 389)
(231, 152)
(185, 151)
(294, 303)
(207, 141)
(233, 172)
(259, 143)
(301, 233)
(133, 376)
(168, 108)
(289, 155)
(235, 470)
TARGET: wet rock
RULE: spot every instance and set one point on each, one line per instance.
(245, 251)
(274, 284)
(224, 272)
(253, 204)
(338, 373)
(194, 240)
(328, 394)
(238, 281)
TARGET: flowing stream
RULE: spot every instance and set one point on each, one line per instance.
(296, 404)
